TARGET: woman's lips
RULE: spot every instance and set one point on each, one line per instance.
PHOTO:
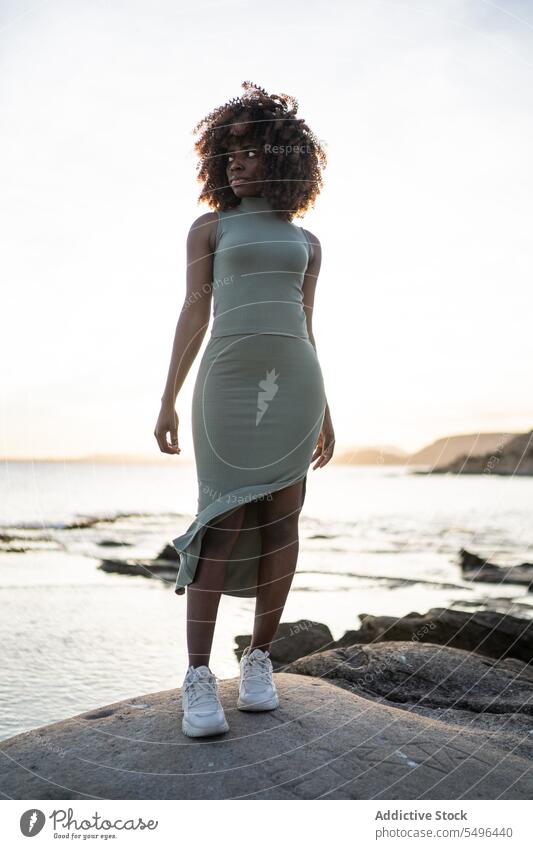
(237, 181)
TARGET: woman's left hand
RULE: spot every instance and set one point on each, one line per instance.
(325, 445)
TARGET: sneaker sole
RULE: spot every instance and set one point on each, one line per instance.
(191, 731)
(258, 706)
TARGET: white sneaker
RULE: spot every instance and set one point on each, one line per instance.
(257, 690)
(203, 714)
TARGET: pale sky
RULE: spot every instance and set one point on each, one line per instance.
(423, 307)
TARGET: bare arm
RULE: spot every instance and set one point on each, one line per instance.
(326, 442)
(192, 324)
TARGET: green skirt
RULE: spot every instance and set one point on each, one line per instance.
(257, 412)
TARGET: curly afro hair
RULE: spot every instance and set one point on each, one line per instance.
(291, 156)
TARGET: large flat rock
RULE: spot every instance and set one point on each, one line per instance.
(324, 741)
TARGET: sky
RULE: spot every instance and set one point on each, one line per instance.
(423, 307)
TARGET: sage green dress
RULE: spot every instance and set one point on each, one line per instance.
(259, 399)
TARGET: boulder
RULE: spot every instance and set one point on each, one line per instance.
(325, 741)
(292, 640)
(414, 676)
(486, 632)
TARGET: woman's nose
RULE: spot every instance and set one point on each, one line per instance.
(236, 164)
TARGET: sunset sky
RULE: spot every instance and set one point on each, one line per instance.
(424, 303)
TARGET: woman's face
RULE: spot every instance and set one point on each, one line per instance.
(243, 170)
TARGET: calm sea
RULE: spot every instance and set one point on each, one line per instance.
(377, 540)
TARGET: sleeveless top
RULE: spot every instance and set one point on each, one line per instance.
(259, 265)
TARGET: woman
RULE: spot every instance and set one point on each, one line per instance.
(259, 411)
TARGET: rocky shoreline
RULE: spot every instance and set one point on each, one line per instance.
(473, 569)
(512, 457)
(428, 706)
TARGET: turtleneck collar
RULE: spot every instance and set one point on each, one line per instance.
(255, 204)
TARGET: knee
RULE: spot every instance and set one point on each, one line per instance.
(281, 531)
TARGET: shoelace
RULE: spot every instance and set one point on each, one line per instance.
(201, 692)
(258, 667)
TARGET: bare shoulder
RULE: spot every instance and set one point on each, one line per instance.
(316, 247)
(203, 229)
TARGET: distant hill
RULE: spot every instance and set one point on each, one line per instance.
(450, 448)
(112, 459)
(441, 452)
(512, 457)
(138, 459)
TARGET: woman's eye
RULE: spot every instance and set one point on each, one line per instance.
(230, 157)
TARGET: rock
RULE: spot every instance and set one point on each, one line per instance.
(169, 553)
(414, 676)
(324, 741)
(113, 543)
(292, 640)
(146, 569)
(477, 569)
(489, 633)
(164, 565)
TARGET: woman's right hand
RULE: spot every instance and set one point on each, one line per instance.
(167, 422)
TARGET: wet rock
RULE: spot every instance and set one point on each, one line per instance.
(113, 543)
(475, 568)
(146, 569)
(164, 565)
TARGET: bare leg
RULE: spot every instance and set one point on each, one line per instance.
(280, 545)
(203, 594)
